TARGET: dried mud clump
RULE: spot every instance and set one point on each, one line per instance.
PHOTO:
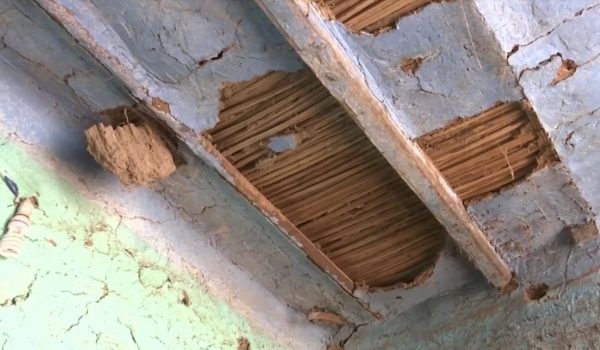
(135, 153)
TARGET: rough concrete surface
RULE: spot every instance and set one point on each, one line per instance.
(528, 224)
(461, 71)
(189, 48)
(475, 317)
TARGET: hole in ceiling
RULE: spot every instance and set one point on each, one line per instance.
(370, 16)
(333, 185)
(536, 291)
(282, 143)
(484, 153)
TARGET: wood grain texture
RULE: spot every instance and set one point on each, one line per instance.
(484, 153)
(326, 55)
(371, 16)
(334, 186)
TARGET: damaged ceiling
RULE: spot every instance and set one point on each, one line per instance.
(331, 182)
(379, 149)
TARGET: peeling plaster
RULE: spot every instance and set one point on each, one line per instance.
(521, 22)
(136, 78)
(283, 143)
(565, 39)
(194, 218)
(187, 69)
(568, 110)
(462, 71)
(190, 84)
(475, 317)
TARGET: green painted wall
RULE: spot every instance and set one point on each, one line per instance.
(84, 281)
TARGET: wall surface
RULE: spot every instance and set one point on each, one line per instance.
(195, 222)
(84, 280)
(103, 249)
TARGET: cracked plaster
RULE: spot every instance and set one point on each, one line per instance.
(389, 302)
(528, 222)
(461, 73)
(168, 38)
(475, 317)
(497, 80)
(84, 280)
(245, 238)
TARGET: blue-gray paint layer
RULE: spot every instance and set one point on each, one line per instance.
(189, 48)
(462, 71)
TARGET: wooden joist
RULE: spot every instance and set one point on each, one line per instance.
(326, 55)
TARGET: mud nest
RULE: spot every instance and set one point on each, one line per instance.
(135, 153)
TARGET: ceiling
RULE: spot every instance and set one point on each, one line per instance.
(379, 154)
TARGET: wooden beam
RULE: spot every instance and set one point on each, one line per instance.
(326, 53)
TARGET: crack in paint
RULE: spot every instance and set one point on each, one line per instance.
(517, 47)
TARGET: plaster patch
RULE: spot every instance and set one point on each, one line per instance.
(282, 143)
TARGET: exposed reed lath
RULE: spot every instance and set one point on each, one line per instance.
(333, 184)
(371, 16)
(482, 154)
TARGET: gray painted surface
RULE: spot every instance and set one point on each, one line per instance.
(199, 221)
(457, 77)
(528, 223)
(450, 272)
(389, 303)
(189, 48)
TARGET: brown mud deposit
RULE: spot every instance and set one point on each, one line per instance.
(484, 153)
(565, 71)
(333, 185)
(583, 233)
(135, 153)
